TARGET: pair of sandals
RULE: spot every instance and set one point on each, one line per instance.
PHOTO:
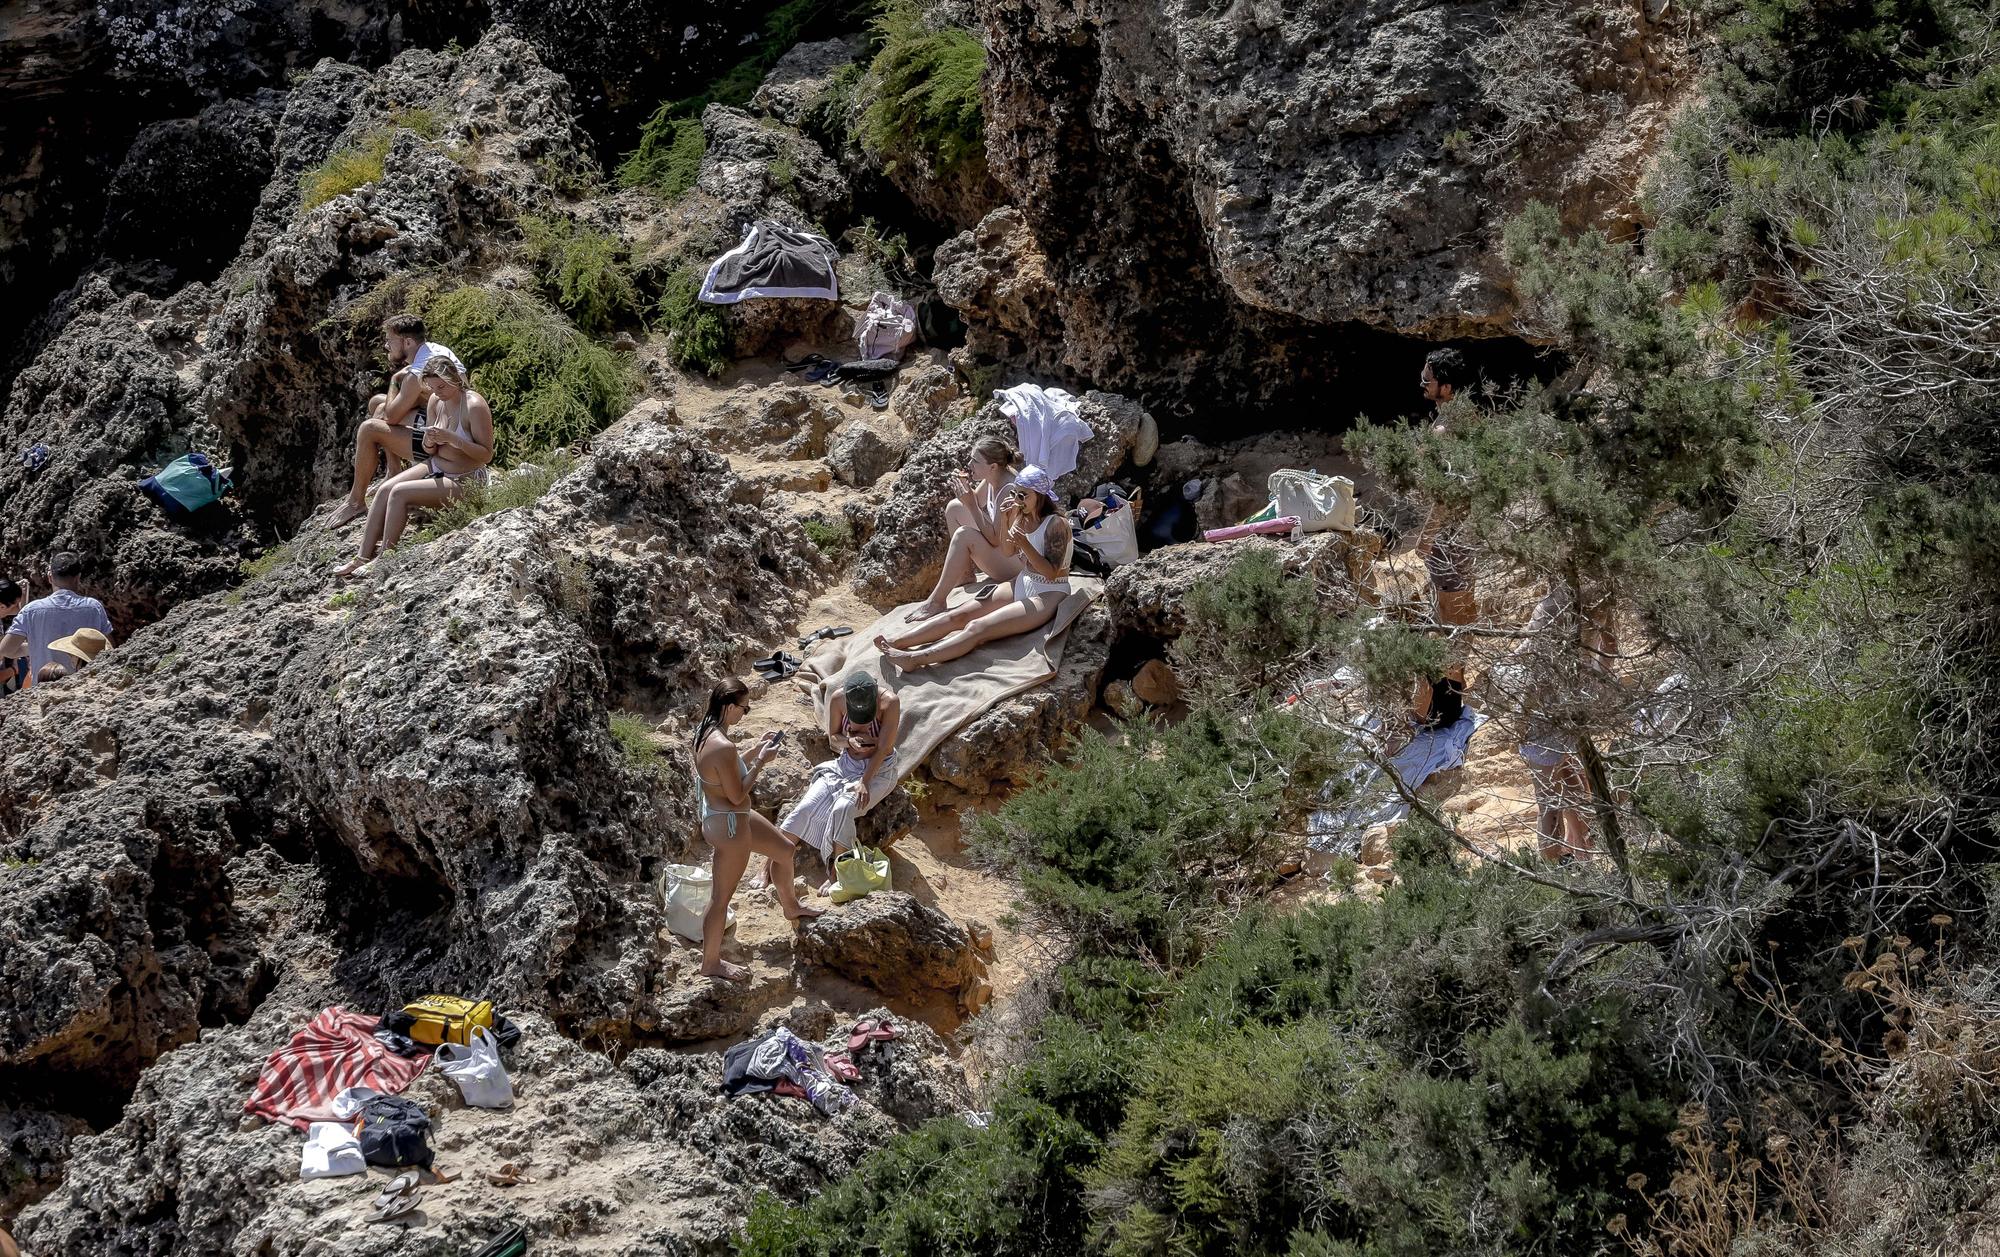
(824, 635)
(778, 666)
(813, 367)
(401, 1197)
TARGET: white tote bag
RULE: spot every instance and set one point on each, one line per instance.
(886, 328)
(477, 1070)
(684, 892)
(1320, 502)
(1114, 535)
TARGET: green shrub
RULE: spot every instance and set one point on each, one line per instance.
(1247, 629)
(635, 739)
(925, 88)
(362, 163)
(549, 385)
(671, 144)
(834, 538)
(524, 486)
(701, 339)
(585, 271)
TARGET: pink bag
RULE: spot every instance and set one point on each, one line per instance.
(1284, 523)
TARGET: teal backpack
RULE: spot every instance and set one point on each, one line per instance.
(185, 486)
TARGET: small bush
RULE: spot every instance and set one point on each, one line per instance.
(635, 739)
(834, 538)
(1246, 630)
(549, 385)
(524, 487)
(701, 339)
(926, 92)
(363, 163)
(668, 158)
(584, 271)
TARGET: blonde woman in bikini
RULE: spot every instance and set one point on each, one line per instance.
(1038, 534)
(978, 542)
(736, 830)
(458, 444)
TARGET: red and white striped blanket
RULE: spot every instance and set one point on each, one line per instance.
(335, 1051)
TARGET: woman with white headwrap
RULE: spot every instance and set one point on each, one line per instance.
(1038, 532)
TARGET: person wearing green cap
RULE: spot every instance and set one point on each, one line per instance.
(861, 721)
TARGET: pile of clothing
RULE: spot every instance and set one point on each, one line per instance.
(781, 1063)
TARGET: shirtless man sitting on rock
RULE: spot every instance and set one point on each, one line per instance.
(394, 430)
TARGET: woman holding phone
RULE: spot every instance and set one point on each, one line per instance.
(978, 542)
(731, 826)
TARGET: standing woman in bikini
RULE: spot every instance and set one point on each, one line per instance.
(735, 829)
(978, 540)
(458, 444)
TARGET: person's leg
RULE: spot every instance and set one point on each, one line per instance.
(940, 625)
(1548, 815)
(1575, 791)
(766, 840)
(732, 853)
(372, 441)
(410, 495)
(957, 571)
(378, 520)
(1010, 620)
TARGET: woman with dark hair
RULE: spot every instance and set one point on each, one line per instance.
(1038, 534)
(730, 825)
(458, 444)
(978, 542)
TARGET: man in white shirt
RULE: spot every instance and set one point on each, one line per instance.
(54, 618)
(393, 433)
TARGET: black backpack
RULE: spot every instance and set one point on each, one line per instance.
(395, 1132)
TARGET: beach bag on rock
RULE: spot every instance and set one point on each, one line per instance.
(477, 1070)
(395, 1132)
(436, 1019)
(684, 891)
(185, 486)
(860, 871)
(1320, 502)
(886, 328)
(1114, 535)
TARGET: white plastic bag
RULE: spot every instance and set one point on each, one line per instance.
(886, 328)
(1320, 502)
(332, 1149)
(1114, 536)
(684, 892)
(477, 1070)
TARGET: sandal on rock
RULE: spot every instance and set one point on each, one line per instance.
(878, 397)
(508, 1175)
(842, 1067)
(822, 635)
(868, 1030)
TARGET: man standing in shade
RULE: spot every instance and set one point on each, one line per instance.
(46, 621)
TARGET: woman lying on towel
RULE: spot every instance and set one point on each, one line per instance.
(732, 826)
(978, 541)
(861, 721)
(1038, 535)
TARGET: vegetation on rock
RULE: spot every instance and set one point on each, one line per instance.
(362, 163)
(701, 340)
(923, 91)
(585, 271)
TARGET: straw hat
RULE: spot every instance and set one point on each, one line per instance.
(83, 645)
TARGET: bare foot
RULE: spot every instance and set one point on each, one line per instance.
(881, 643)
(353, 567)
(349, 511)
(902, 659)
(805, 914)
(924, 611)
(726, 971)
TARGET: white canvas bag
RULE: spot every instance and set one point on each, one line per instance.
(477, 1070)
(684, 890)
(1320, 502)
(886, 328)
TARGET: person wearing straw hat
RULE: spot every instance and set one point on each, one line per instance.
(1036, 529)
(82, 647)
(55, 617)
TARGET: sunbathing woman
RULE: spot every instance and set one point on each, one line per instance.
(978, 542)
(1039, 536)
(735, 829)
(458, 444)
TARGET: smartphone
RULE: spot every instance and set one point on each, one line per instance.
(775, 736)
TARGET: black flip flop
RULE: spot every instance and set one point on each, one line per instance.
(822, 635)
(878, 397)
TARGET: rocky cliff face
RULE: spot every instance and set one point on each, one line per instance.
(1225, 199)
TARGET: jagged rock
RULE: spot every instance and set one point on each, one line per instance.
(783, 423)
(33, 1146)
(646, 1150)
(762, 170)
(1012, 742)
(219, 161)
(997, 278)
(627, 55)
(906, 542)
(434, 738)
(892, 942)
(801, 79)
(927, 394)
(1149, 597)
(864, 453)
(1156, 685)
(1288, 173)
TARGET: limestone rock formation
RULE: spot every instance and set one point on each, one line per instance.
(801, 79)
(1000, 282)
(1289, 171)
(865, 452)
(421, 761)
(644, 1155)
(906, 540)
(767, 170)
(220, 161)
(1149, 598)
(893, 943)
